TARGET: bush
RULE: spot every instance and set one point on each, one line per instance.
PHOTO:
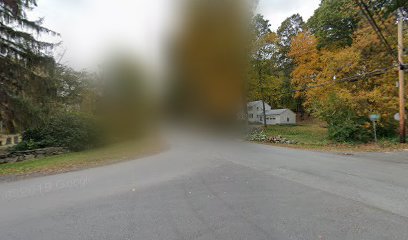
(348, 129)
(26, 145)
(388, 128)
(344, 125)
(73, 131)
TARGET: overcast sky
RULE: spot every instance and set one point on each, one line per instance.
(276, 11)
(89, 27)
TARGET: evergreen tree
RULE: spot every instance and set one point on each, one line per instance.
(26, 66)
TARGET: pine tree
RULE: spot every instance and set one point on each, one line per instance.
(26, 65)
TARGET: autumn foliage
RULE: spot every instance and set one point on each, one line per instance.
(362, 76)
(333, 67)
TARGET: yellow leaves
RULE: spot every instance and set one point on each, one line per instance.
(271, 38)
(303, 48)
(329, 68)
(306, 56)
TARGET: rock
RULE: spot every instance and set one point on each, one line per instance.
(11, 160)
(279, 140)
(29, 156)
(20, 156)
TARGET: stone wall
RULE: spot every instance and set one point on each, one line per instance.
(20, 156)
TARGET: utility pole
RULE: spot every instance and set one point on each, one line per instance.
(402, 130)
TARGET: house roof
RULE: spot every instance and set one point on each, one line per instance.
(251, 104)
(276, 111)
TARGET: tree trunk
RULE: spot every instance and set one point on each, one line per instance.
(262, 96)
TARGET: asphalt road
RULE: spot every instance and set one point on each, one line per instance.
(216, 190)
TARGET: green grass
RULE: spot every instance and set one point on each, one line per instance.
(315, 137)
(79, 160)
(311, 134)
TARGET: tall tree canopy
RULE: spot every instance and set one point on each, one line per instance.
(25, 65)
(288, 29)
(263, 49)
(388, 7)
(360, 76)
(334, 23)
(262, 84)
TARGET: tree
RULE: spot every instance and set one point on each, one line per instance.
(263, 48)
(289, 28)
(334, 23)
(306, 57)
(73, 87)
(387, 7)
(26, 68)
(360, 76)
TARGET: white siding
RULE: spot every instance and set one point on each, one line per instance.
(288, 117)
(273, 117)
(255, 112)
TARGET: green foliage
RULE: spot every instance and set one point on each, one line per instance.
(71, 85)
(26, 64)
(271, 67)
(26, 145)
(387, 127)
(288, 29)
(334, 23)
(263, 49)
(72, 131)
(388, 7)
(261, 27)
(344, 125)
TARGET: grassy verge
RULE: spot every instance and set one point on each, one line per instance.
(79, 160)
(315, 137)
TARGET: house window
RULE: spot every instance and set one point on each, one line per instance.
(261, 118)
(287, 119)
(251, 115)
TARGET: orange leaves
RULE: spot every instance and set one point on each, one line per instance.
(306, 57)
(326, 67)
(303, 48)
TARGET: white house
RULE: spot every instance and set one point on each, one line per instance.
(273, 116)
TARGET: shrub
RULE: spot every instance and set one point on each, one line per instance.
(26, 145)
(73, 131)
(348, 129)
(344, 125)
